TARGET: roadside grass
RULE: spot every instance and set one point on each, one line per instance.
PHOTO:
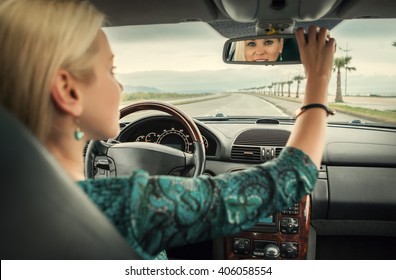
(388, 116)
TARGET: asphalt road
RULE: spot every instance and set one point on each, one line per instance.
(233, 105)
(228, 105)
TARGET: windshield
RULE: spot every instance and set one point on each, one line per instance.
(182, 64)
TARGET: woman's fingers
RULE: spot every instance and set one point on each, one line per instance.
(331, 43)
(317, 52)
(316, 35)
(323, 36)
(302, 43)
(312, 34)
(300, 36)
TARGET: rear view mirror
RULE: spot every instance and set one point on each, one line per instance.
(263, 49)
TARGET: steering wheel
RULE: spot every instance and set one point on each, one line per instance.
(112, 158)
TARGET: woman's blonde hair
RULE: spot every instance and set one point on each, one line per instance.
(240, 51)
(37, 38)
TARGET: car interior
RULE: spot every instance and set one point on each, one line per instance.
(351, 214)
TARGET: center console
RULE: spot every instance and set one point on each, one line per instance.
(283, 235)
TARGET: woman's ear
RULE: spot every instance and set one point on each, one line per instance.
(65, 94)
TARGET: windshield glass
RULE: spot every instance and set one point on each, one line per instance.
(182, 64)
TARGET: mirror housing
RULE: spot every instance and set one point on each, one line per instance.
(262, 50)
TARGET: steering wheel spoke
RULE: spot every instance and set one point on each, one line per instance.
(154, 158)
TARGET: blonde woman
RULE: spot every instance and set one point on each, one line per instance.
(56, 73)
(259, 50)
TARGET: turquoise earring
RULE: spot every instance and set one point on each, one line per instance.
(280, 57)
(78, 134)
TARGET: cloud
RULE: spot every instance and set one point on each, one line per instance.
(362, 28)
(161, 33)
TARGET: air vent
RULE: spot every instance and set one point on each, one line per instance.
(255, 154)
(278, 151)
(270, 152)
(263, 137)
(244, 153)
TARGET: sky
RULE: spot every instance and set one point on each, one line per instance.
(187, 57)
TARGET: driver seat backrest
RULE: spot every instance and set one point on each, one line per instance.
(44, 214)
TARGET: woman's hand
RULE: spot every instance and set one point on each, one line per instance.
(317, 54)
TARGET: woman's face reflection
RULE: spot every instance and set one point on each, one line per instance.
(261, 50)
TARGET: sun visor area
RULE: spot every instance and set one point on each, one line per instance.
(253, 10)
(121, 12)
(364, 9)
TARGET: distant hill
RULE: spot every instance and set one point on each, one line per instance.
(178, 81)
(132, 89)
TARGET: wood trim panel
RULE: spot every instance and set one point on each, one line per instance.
(301, 238)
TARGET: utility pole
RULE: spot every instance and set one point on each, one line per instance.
(346, 50)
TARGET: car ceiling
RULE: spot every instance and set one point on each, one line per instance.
(230, 17)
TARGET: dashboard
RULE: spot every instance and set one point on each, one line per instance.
(166, 131)
(352, 208)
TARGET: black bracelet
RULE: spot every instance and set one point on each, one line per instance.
(314, 105)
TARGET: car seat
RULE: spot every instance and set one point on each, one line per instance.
(44, 214)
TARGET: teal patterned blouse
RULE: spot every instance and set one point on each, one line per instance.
(154, 213)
